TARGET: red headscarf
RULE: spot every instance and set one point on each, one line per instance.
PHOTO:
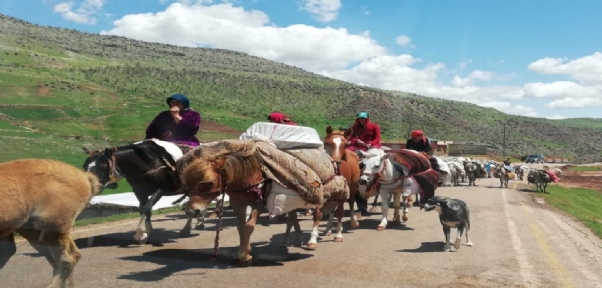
(417, 133)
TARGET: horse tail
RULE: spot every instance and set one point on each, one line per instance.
(94, 184)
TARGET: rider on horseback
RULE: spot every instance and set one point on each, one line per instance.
(178, 125)
(364, 134)
(419, 142)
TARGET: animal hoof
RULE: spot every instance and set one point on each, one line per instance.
(308, 213)
(141, 238)
(213, 215)
(185, 233)
(245, 263)
(469, 244)
(373, 209)
(338, 239)
(200, 227)
(410, 204)
(457, 243)
(380, 228)
(446, 249)
(328, 233)
(358, 215)
(354, 225)
(404, 217)
(312, 246)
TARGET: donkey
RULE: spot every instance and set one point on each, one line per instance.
(40, 199)
(149, 167)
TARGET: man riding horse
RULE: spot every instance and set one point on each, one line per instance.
(419, 143)
(364, 135)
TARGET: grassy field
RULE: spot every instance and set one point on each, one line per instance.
(61, 90)
(584, 168)
(583, 204)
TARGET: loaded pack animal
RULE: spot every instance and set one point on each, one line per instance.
(503, 174)
(474, 170)
(256, 174)
(401, 173)
(521, 171)
(541, 178)
(40, 199)
(453, 213)
(457, 172)
(335, 144)
(149, 167)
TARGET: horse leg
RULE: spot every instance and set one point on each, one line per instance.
(329, 224)
(373, 209)
(65, 256)
(353, 219)
(396, 195)
(143, 233)
(339, 213)
(313, 240)
(8, 248)
(384, 194)
(185, 232)
(292, 221)
(200, 221)
(245, 230)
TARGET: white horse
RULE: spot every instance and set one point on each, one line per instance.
(391, 181)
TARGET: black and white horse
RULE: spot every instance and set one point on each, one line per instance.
(149, 167)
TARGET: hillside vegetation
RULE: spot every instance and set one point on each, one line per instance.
(62, 89)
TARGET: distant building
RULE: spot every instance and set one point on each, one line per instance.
(441, 147)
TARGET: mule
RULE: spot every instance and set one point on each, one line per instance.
(471, 172)
(503, 174)
(335, 144)
(40, 199)
(410, 173)
(239, 169)
(149, 167)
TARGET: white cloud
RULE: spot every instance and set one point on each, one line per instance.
(357, 58)
(403, 40)
(556, 117)
(323, 10)
(587, 70)
(474, 75)
(82, 15)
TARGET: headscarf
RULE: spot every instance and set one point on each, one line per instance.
(278, 117)
(180, 98)
(417, 133)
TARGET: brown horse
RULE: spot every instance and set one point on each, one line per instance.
(40, 199)
(236, 167)
(335, 144)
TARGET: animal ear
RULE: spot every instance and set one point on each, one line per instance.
(329, 129)
(362, 154)
(86, 150)
(386, 156)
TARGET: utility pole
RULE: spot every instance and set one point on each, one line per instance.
(504, 143)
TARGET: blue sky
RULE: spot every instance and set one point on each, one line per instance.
(538, 58)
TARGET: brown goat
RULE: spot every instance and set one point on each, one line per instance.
(40, 199)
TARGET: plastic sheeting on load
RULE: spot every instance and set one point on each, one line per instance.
(284, 136)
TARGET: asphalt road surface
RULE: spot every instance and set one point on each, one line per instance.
(518, 242)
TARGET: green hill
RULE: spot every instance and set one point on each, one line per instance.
(61, 89)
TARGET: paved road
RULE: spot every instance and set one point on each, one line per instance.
(518, 243)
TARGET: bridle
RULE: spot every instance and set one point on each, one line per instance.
(114, 175)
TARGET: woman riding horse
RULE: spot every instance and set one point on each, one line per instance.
(178, 125)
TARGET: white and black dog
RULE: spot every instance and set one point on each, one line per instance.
(453, 213)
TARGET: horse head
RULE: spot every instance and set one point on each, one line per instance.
(206, 172)
(375, 167)
(102, 164)
(335, 144)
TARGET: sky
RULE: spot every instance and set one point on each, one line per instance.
(538, 58)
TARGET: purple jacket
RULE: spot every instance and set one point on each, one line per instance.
(165, 128)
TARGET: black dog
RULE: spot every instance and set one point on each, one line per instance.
(453, 213)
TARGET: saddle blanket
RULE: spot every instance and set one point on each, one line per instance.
(309, 172)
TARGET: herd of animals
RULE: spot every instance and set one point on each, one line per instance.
(41, 198)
